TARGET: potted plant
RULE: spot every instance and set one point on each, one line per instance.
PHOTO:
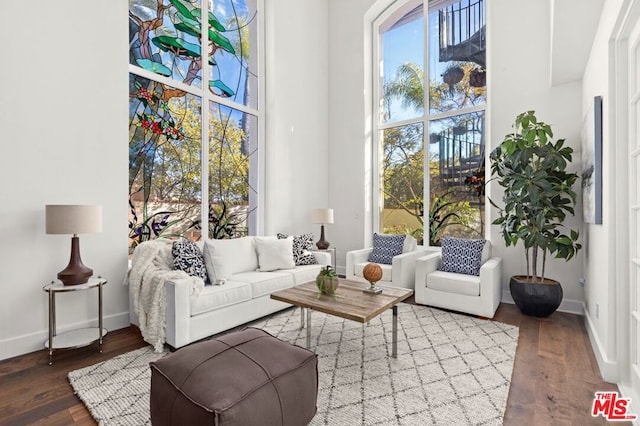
(538, 195)
(327, 281)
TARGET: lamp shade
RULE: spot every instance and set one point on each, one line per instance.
(73, 219)
(322, 216)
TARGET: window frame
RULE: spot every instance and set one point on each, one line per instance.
(256, 220)
(398, 9)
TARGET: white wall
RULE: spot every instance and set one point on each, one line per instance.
(297, 115)
(518, 62)
(350, 182)
(518, 80)
(63, 111)
(63, 104)
(600, 248)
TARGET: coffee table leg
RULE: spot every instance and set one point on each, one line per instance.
(301, 317)
(308, 328)
(394, 344)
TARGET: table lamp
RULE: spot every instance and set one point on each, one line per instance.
(73, 219)
(322, 216)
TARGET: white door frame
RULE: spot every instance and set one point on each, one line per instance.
(622, 121)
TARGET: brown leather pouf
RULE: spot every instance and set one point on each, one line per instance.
(244, 378)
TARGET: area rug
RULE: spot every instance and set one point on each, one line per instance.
(450, 369)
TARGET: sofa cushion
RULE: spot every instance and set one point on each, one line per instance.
(265, 282)
(461, 256)
(304, 273)
(274, 253)
(224, 258)
(387, 271)
(385, 247)
(468, 285)
(187, 257)
(218, 296)
(302, 249)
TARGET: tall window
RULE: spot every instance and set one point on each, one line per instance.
(194, 118)
(431, 158)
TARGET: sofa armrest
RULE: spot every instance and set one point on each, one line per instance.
(178, 312)
(403, 268)
(353, 257)
(424, 266)
(491, 282)
(322, 257)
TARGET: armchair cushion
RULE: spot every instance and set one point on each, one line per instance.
(386, 271)
(461, 256)
(385, 247)
(468, 285)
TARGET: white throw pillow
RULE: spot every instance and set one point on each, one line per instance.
(274, 254)
(223, 258)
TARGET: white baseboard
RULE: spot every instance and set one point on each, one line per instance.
(608, 368)
(568, 305)
(32, 342)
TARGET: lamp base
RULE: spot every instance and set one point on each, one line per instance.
(76, 272)
(322, 243)
(373, 289)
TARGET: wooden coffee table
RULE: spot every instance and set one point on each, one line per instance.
(350, 302)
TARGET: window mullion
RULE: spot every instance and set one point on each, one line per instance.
(204, 113)
(426, 171)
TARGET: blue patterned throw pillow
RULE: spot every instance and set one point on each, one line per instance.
(187, 257)
(385, 247)
(461, 256)
(302, 247)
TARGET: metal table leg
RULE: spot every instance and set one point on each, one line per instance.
(301, 317)
(308, 328)
(52, 324)
(394, 344)
(100, 317)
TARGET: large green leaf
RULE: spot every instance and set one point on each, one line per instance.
(215, 23)
(226, 91)
(189, 26)
(221, 41)
(155, 67)
(167, 43)
(184, 10)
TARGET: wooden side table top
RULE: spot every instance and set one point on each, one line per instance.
(350, 301)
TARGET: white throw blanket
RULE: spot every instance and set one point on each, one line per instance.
(151, 267)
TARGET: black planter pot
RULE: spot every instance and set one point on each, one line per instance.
(537, 300)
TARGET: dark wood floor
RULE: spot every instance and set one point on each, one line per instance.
(554, 377)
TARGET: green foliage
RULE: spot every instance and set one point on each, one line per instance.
(538, 192)
(224, 222)
(404, 157)
(149, 226)
(325, 281)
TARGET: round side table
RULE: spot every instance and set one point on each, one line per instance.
(79, 337)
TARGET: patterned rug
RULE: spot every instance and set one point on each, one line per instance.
(451, 369)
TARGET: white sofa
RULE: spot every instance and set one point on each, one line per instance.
(477, 295)
(243, 298)
(401, 272)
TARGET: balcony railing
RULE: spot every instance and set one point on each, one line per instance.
(462, 32)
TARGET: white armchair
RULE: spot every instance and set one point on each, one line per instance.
(401, 272)
(477, 295)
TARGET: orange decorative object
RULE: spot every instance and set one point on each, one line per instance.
(372, 272)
